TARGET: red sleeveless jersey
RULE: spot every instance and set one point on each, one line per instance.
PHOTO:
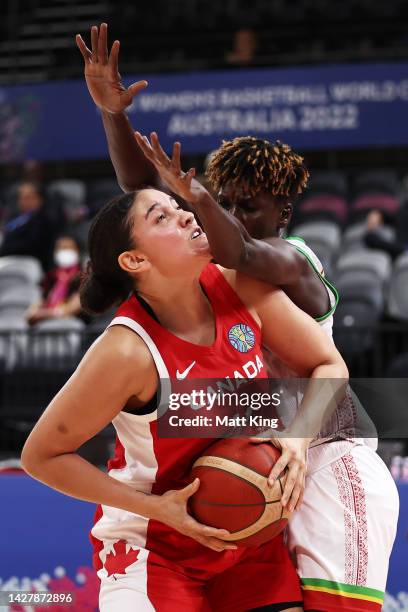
(145, 460)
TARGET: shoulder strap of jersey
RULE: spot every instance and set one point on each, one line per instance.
(216, 285)
(301, 246)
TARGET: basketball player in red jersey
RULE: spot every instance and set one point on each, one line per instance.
(149, 553)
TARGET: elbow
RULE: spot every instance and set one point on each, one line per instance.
(227, 257)
(333, 368)
(236, 260)
(339, 370)
(31, 461)
(28, 460)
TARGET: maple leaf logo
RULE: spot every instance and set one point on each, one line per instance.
(118, 562)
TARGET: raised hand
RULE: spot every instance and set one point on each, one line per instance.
(102, 74)
(170, 169)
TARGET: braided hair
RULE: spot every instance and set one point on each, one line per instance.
(257, 165)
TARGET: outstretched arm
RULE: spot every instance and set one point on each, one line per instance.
(133, 169)
(299, 342)
(273, 262)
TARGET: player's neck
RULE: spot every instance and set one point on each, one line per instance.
(180, 306)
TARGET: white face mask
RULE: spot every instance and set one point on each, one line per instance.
(65, 258)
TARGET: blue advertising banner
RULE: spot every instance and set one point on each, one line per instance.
(45, 546)
(340, 106)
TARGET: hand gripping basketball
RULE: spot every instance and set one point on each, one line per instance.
(235, 493)
(172, 510)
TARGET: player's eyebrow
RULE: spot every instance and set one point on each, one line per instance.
(151, 209)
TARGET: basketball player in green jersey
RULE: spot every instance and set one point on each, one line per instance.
(260, 199)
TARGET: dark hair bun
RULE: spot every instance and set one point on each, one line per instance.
(98, 295)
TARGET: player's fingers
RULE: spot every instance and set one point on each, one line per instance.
(220, 545)
(103, 44)
(189, 177)
(300, 498)
(212, 532)
(145, 146)
(278, 468)
(136, 87)
(94, 44)
(85, 52)
(190, 489)
(256, 440)
(156, 146)
(294, 498)
(205, 531)
(290, 483)
(113, 60)
(175, 158)
(214, 544)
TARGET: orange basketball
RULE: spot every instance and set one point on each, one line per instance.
(234, 493)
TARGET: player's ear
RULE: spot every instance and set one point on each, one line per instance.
(285, 215)
(133, 263)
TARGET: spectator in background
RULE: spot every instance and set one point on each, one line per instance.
(61, 284)
(377, 237)
(32, 232)
(33, 171)
(245, 47)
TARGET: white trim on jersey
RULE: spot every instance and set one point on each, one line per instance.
(164, 389)
(134, 433)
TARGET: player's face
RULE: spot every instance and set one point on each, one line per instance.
(166, 234)
(260, 215)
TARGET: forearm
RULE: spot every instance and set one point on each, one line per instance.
(74, 476)
(226, 236)
(133, 169)
(324, 392)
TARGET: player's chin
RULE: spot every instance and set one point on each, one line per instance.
(200, 246)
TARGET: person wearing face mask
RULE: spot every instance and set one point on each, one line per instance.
(61, 297)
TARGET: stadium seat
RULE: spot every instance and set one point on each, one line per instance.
(17, 270)
(377, 181)
(353, 237)
(17, 299)
(323, 237)
(357, 316)
(352, 277)
(321, 206)
(373, 262)
(329, 182)
(398, 291)
(355, 284)
(100, 192)
(71, 192)
(385, 202)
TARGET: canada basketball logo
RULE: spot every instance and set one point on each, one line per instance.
(241, 337)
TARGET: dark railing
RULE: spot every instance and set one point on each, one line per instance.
(34, 366)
